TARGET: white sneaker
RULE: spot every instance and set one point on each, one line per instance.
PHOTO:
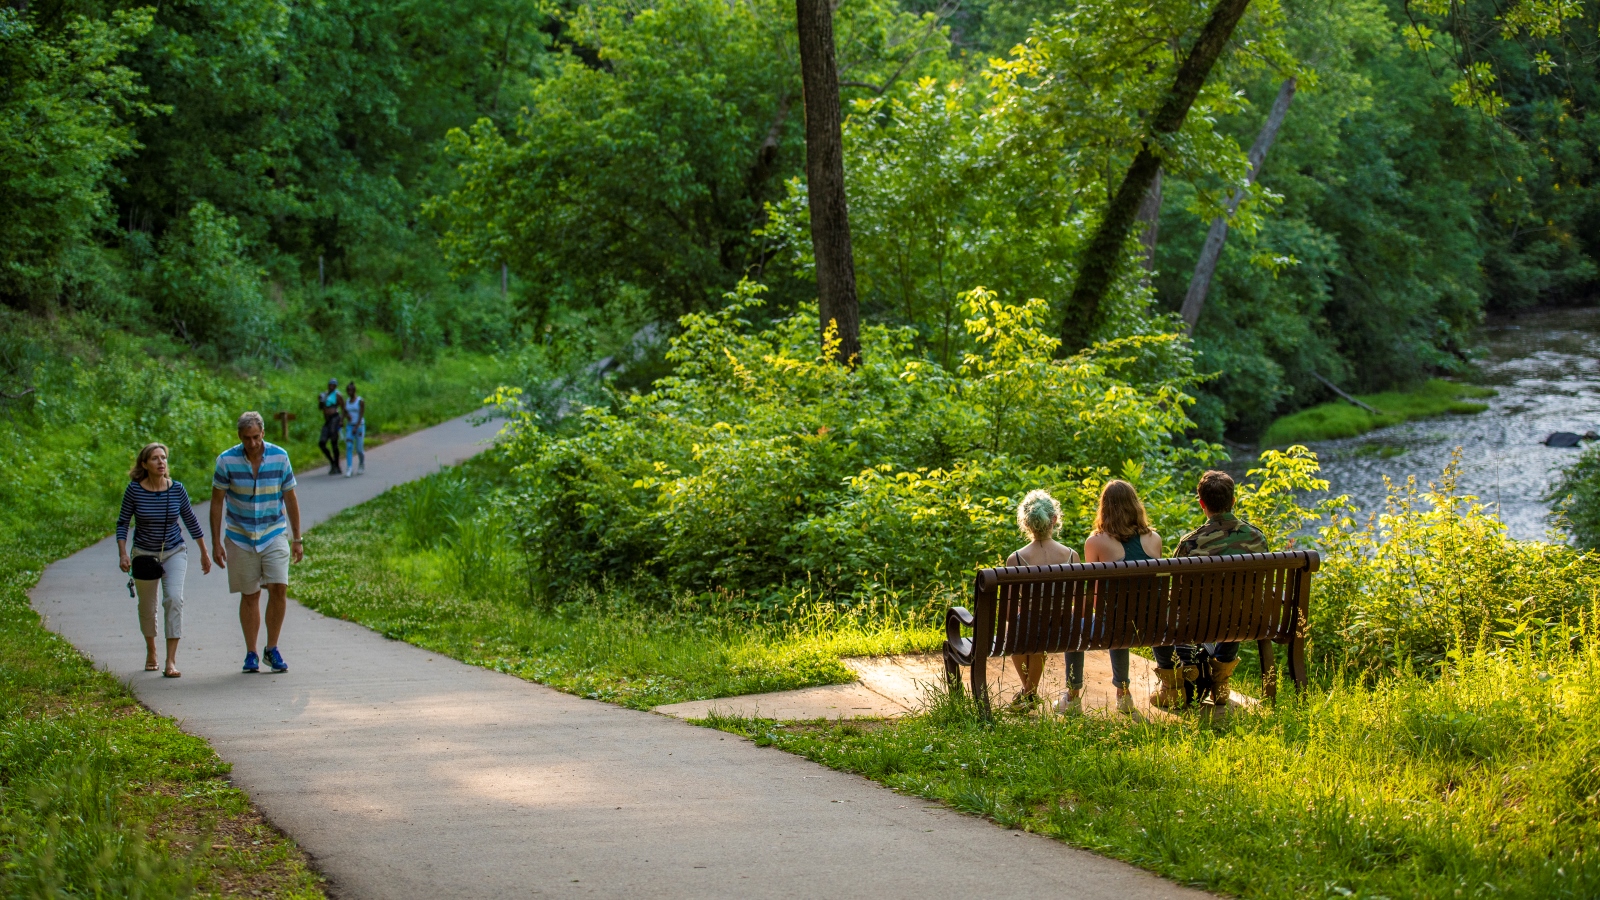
(1125, 703)
(362, 469)
(1068, 705)
(348, 473)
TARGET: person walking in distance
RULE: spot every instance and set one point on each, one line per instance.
(355, 430)
(332, 415)
(254, 485)
(156, 504)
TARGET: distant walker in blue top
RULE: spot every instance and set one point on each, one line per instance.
(254, 487)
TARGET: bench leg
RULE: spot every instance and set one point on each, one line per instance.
(1269, 669)
(1297, 661)
(952, 674)
(980, 684)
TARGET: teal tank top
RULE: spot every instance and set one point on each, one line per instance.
(1133, 550)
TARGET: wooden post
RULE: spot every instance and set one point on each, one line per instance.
(285, 417)
(504, 278)
(322, 277)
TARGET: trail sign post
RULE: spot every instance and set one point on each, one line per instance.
(285, 417)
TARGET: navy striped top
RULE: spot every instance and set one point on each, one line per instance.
(153, 509)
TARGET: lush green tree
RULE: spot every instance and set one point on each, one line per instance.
(648, 165)
(938, 206)
(205, 288)
(68, 111)
(1367, 271)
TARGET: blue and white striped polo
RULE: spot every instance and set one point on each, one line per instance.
(254, 497)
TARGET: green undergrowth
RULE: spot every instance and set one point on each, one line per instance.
(454, 585)
(1339, 419)
(1482, 783)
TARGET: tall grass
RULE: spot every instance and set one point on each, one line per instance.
(1484, 782)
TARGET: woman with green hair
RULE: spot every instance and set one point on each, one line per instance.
(1038, 518)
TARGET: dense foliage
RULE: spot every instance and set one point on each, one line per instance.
(760, 461)
(252, 177)
(1576, 499)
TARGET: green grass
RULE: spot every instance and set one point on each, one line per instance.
(367, 567)
(1483, 784)
(1339, 419)
(98, 796)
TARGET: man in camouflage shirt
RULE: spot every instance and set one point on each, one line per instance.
(1223, 534)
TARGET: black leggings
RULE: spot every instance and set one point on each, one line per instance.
(1227, 651)
(329, 442)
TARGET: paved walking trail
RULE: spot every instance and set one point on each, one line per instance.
(407, 774)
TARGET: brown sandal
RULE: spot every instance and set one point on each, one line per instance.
(172, 673)
(151, 667)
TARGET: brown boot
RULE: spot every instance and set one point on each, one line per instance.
(1172, 682)
(1220, 673)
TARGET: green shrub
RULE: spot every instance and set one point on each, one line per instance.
(1576, 499)
(746, 468)
(1433, 575)
(207, 292)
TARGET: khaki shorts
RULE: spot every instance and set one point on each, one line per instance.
(249, 569)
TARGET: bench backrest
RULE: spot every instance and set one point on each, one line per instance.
(1148, 603)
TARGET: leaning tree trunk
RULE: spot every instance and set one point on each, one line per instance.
(1206, 266)
(1102, 260)
(830, 220)
(1150, 217)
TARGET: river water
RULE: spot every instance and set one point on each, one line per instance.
(1546, 368)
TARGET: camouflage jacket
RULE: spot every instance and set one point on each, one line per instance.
(1221, 535)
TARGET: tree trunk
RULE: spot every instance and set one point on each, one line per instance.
(1150, 218)
(830, 220)
(1206, 266)
(1102, 259)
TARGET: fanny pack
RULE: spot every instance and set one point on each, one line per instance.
(149, 568)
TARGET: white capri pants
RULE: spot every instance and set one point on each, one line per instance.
(175, 565)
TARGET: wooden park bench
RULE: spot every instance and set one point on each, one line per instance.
(1261, 597)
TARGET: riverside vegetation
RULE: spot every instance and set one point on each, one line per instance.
(1341, 419)
(99, 797)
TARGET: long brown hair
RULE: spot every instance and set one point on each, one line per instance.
(139, 472)
(1121, 515)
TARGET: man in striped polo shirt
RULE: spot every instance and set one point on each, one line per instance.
(255, 484)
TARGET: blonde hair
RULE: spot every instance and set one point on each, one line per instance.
(1121, 515)
(1038, 515)
(139, 472)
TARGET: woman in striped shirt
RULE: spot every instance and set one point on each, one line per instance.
(156, 503)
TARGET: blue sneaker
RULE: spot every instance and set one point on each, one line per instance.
(251, 664)
(275, 660)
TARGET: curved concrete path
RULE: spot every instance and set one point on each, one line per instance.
(407, 774)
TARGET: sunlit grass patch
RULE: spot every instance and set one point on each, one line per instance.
(1339, 419)
(1481, 783)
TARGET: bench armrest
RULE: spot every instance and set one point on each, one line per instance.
(954, 619)
(955, 644)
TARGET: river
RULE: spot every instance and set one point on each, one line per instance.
(1546, 368)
